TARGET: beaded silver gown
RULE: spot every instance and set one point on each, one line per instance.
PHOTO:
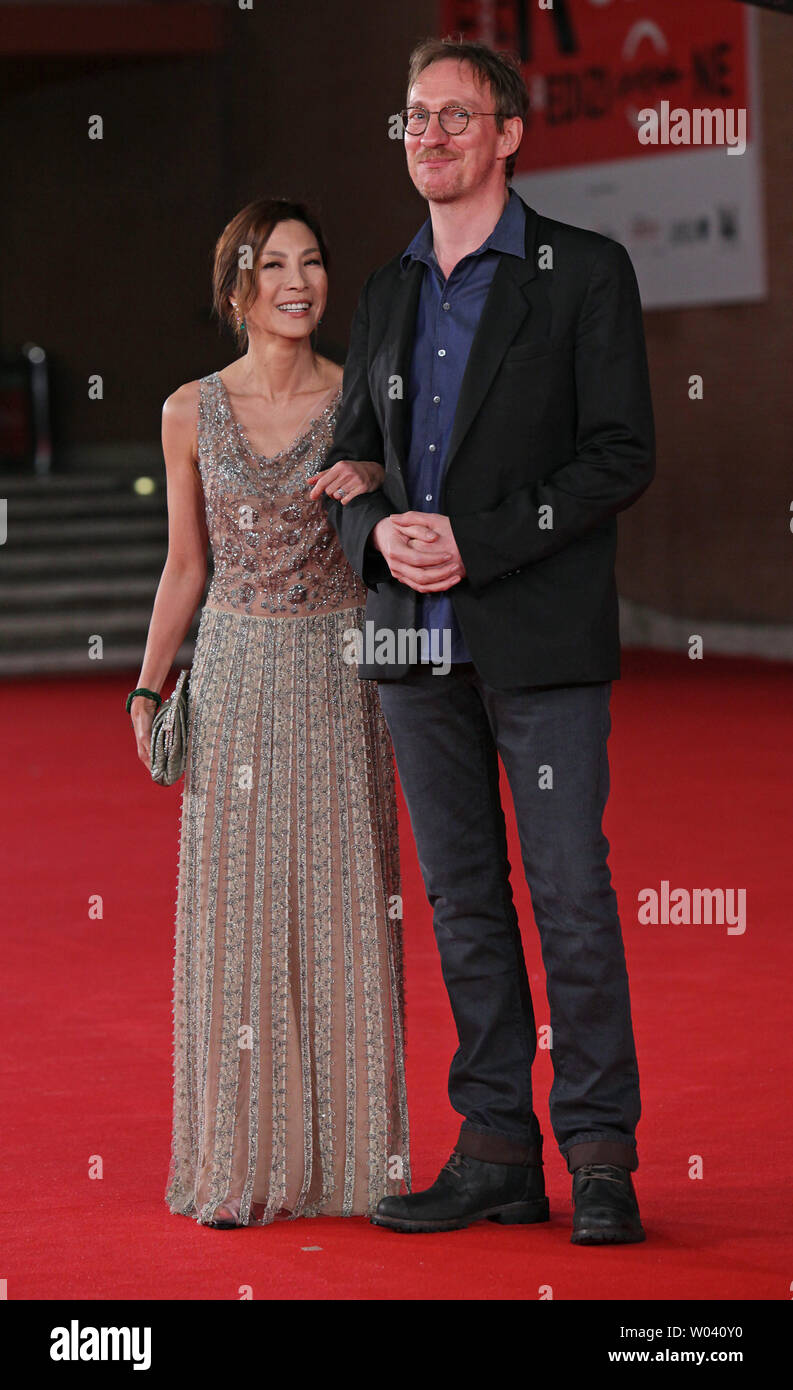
(288, 998)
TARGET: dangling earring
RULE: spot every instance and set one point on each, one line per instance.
(238, 316)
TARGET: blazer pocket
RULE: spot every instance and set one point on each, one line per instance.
(526, 351)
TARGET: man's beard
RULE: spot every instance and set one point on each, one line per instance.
(445, 194)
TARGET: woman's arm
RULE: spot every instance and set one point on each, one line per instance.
(184, 574)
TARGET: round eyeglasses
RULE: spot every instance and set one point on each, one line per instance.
(452, 119)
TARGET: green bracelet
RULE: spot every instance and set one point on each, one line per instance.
(141, 690)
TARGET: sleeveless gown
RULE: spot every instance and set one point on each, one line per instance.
(288, 997)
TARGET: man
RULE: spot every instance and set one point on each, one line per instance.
(497, 370)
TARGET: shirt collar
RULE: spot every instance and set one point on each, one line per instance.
(508, 235)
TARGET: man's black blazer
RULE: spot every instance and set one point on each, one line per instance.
(554, 412)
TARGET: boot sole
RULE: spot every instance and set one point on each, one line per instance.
(601, 1236)
(516, 1214)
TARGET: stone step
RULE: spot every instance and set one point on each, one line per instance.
(124, 656)
(52, 507)
(126, 529)
(66, 484)
(83, 555)
(140, 558)
(56, 592)
(77, 622)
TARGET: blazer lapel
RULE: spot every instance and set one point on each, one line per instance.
(396, 354)
(505, 309)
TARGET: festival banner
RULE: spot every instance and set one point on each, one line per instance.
(644, 125)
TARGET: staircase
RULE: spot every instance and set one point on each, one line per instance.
(82, 558)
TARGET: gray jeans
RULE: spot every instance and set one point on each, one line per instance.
(447, 732)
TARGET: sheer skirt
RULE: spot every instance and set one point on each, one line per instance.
(288, 997)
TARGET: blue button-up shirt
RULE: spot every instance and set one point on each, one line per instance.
(447, 319)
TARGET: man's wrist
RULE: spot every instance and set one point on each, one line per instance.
(372, 540)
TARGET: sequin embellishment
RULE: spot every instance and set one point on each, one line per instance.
(288, 988)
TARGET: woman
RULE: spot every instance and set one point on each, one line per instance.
(289, 1083)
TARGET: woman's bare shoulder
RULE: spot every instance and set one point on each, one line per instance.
(182, 404)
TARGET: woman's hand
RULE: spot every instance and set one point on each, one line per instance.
(347, 479)
(142, 712)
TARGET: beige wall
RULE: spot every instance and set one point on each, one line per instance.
(711, 539)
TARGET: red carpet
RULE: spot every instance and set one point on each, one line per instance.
(701, 766)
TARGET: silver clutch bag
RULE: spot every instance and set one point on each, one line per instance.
(169, 735)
